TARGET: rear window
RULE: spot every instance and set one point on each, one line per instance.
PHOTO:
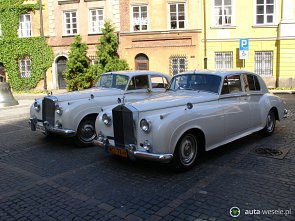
(158, 82)
(253, 83)
(139, 82)
(231, 84)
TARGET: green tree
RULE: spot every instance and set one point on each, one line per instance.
(108, 59)
(77, 73)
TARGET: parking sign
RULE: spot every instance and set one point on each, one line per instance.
(244, 48)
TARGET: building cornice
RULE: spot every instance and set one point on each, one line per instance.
(160, 32)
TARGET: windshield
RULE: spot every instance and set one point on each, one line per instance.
(196, 82)
(113, 81)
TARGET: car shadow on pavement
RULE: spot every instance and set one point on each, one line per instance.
(60, 142)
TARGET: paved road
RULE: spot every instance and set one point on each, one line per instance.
(51, 179)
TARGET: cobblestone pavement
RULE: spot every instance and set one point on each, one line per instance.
(51, 179)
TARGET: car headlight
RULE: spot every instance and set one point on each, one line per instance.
(58, 109)
(106, 119)
(146, 125)
(36, 106)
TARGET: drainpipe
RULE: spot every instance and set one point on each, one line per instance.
(205, 35)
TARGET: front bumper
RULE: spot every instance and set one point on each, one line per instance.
(133, 153)
(45, 127)
(285, 113)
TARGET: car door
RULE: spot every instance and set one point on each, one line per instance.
(254, 94)
(235, 106)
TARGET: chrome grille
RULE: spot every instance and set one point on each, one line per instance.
(124, 131)
(48, 110)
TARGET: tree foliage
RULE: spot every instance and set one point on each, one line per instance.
(13, 48)
(77, 73)
(108, 59)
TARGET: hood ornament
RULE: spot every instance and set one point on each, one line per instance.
(121, 101)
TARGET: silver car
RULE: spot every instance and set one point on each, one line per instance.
(74, 114)
(200, 111)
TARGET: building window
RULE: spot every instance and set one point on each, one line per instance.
(70, 23)
(177, 16)
(263, 63)
(223, 12)
(224, 60)
(25, 67)
(96, 20)
(265, 12)
(94, 59)
(25, 29)
(140, 18)
(178, 64)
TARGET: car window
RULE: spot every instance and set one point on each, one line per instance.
(158, 82)
(121, 82)
(139, 82)
(113, 81)
(253, 83)
(231, 84)
(196, 82)
(256, 82)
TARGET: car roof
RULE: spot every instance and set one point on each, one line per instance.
(222, 73)
(137, 72)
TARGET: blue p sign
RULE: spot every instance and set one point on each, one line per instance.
(244, 44)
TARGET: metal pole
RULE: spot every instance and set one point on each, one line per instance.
(205, 36)
(43, 41)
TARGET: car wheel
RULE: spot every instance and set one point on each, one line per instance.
(186, 152)
(86, 132)
(270, 124)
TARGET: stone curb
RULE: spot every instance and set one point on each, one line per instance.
(282, 91)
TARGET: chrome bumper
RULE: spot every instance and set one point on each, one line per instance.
(285, 113)
(45, 127)
(133, 153)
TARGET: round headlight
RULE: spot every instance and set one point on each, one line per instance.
(58, 110)
(145, 125)
(106, 119)
(36, 106)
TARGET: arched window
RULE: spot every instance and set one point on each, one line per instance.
(141, 62)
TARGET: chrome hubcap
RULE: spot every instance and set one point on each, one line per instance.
(87, 132)
(270, 122)
(188, 150)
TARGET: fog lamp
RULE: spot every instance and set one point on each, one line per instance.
(147, 146)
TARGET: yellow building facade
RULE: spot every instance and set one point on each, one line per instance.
(269, 27)
(162, 36)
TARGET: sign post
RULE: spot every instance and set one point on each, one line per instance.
(244, 50)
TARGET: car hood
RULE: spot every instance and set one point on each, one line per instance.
(174, 99)
(96, 92)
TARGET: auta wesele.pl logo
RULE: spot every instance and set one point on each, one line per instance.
(234, 211)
